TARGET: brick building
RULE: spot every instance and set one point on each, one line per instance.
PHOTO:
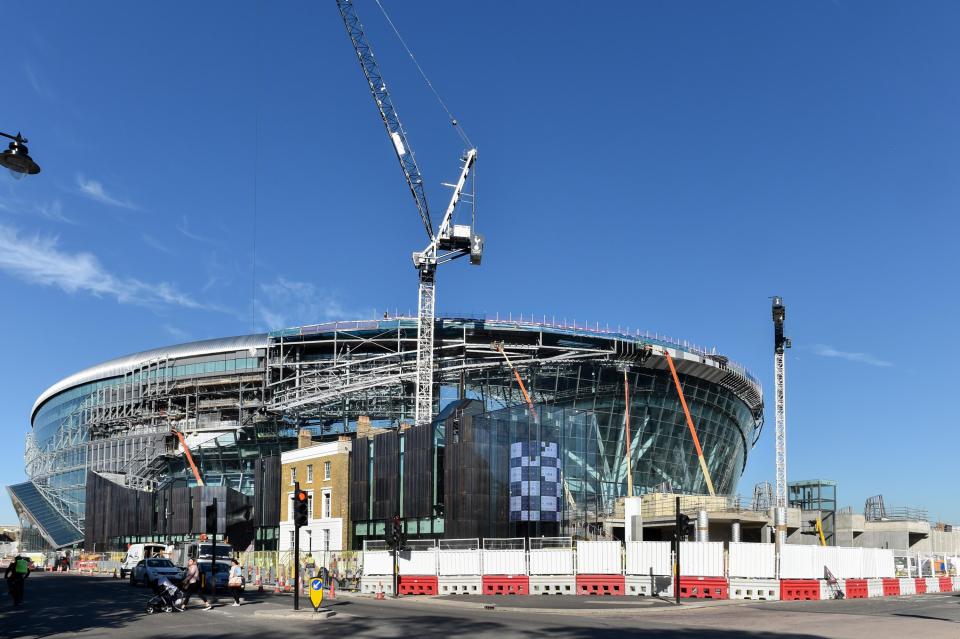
(323, 470)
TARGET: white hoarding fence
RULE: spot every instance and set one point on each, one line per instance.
(458, 557)
(648, 557)
(377, 562)
(417, 562)
(797, 562)
(755, 561)
(551, 556)
(504, 557)
(701, 558)
(599, 558)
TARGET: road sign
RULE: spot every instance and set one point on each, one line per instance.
(316, 593)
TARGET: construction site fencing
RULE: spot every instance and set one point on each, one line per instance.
(648, 558)
(272, 566)
(504, 557)
(551, 556)
(808, 562)
(418, 558)
(458, 557)
(751, 560)
(909, 563)
(599, 558)
(701, 558)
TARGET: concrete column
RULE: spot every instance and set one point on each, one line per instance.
(735, 532)
(703, 526)
(632, 519)
(765, 535)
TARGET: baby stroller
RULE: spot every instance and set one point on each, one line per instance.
(168, 597)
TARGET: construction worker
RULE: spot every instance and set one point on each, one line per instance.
(16, 574)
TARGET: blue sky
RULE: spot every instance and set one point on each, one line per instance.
(664, 166)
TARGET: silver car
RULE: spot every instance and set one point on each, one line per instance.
(147, 571)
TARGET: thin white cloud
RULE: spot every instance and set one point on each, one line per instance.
(175, 332)
(824, 350)
(51, 210)
(39, 260)
(184, 228)
(95, 191)
(283, 303)
(41, 89)
(154, 243)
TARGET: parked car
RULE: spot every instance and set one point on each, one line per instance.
(147, 571)
(137, 552)
(223, 573)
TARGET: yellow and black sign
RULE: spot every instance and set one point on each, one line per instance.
(316, 593)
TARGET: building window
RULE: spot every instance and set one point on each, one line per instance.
(326, 470)
(293, 539)
(293, 475)
(326, 539)
(327, 504)
(309, 473)
(291, 509)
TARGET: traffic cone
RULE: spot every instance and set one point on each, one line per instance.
(380, 591)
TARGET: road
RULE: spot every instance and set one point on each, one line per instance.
(59, 605)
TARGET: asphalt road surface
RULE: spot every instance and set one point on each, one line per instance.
(59, 605)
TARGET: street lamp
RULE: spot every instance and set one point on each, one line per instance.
(17, 159)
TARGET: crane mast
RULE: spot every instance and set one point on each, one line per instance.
(780, 344)
(450, 242)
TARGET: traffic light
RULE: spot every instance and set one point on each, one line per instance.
(395, 536)
(301, 507)
(211, 516)
(685, 525)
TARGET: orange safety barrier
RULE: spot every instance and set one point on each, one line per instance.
(856, 589)
(891, 587)
(418, 585)
(704, 588)
(601, 585)
(799, 590)
(921, 585)
(505, 585)
(946, 584)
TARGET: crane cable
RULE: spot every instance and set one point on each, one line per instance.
(453, 120)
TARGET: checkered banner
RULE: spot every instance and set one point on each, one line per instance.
(534, 481)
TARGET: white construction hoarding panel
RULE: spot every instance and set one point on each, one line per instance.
(844, 563)
(418, 562)
(701, 558)
(504, 562)
(552, 561)
(599, 558)
(754, 561)
(877, 563)
(458, 562)
(797, 562)
(648, 557)
(378, 562)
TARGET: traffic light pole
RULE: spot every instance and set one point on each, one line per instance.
(296, 554)
(213, 561)
(676, 560)
(396, 539)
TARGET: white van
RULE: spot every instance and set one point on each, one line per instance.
(136, 552)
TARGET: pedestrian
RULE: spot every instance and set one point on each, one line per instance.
(191, 585)
(235, 583)
(16, 574)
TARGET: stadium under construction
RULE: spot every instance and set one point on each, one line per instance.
(529, 432)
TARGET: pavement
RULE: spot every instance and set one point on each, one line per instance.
(69, 605)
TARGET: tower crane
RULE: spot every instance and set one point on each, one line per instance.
(450, 240)
(780, 344)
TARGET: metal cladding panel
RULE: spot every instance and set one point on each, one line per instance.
(551, 561)
(701, 558)
(386, 474)
(417, 562)
(458, 562)
(797, 562)
(418, 471)
(377, 562)
(756, 561)
(360, 479)
(504, 562)
(599, 558)
(648, 557)
(477, 500)
(266, 489)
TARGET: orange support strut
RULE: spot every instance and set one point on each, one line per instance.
(693, 431)
(186, 451)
